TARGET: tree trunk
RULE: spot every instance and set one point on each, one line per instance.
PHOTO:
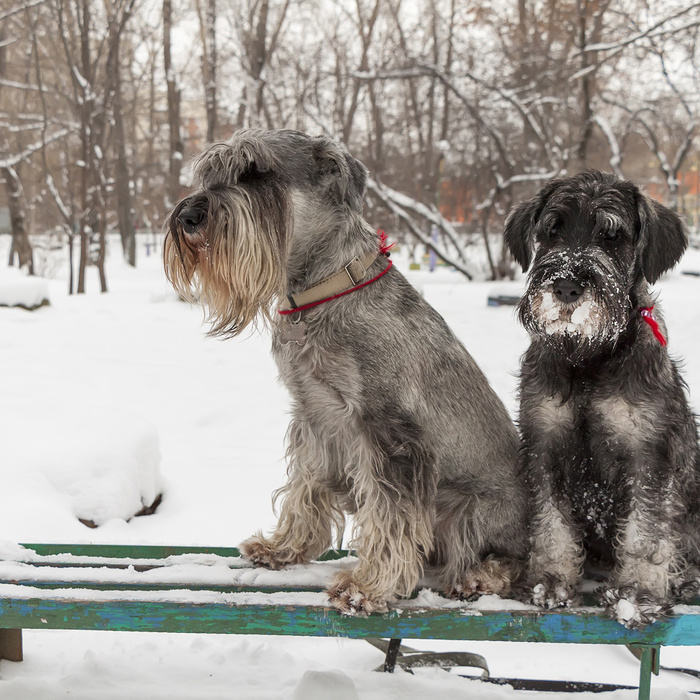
(18, 221)
(585, 109)
(86, 138)
(210, 58)
(102, 254)
(176, 145)
(20, 237)
(122, 174)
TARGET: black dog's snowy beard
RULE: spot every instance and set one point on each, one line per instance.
(598, 317)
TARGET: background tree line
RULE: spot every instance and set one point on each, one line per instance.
(458, 108)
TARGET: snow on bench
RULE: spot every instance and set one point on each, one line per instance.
(214, 590)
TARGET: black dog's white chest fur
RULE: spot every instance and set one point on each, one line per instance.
(594, 433)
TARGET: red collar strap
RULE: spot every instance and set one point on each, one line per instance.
(336, 285)
(650, 319)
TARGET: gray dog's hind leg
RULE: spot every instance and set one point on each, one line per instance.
(480, 540)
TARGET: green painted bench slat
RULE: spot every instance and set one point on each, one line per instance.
(119, 551)
(138, 551)
(544, 626)
(126, 586)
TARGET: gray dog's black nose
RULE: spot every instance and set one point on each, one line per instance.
(190, 218)
(567, 290)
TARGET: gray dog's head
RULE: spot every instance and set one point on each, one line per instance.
(227, 243)
(594, 241)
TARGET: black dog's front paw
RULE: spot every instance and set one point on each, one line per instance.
(633, 607)
(687, 587)
(554, 592)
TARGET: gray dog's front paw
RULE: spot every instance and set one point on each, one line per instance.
(261, 551)
(347, 595)
(554, 592)
(492, 576)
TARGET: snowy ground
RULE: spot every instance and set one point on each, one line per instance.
(111, 399)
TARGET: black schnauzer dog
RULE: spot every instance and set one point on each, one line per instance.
(392, 421)
(609, 442)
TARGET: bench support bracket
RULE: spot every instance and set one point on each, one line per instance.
(11, 645)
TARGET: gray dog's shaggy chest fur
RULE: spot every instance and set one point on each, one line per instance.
(609, 441)
(392, 420)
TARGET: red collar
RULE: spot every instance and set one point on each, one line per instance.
(650, 319)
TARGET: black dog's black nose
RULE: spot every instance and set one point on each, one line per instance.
(190, 218)
(567, 290)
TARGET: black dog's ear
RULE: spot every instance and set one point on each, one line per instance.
(663, 238)
(520, 224)
(518, 231)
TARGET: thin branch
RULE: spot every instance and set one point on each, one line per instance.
(20, 8)
(654, 31)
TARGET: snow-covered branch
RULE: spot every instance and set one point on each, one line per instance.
(12, 160)
(430, 214)
(389, 198)
(20, 86)
(503, 184)
(51, 186)
(22, 7)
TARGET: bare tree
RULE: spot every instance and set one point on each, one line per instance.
(207, 26)
(258, 25)
(120, 12)
(458, 109)
(21, 246)
(176, 153)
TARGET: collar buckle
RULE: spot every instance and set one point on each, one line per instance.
(356, 271)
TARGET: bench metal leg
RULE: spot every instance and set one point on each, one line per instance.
(392, 653)
(11, 644)
(649, 663)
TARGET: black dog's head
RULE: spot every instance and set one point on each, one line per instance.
(593, 241)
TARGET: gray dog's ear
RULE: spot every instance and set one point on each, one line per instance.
(663, 237)
(349, 177)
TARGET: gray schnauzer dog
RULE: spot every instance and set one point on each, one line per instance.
(392, 421)
(609, 442)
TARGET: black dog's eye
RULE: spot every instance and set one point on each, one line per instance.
(611, 234)
(553, 232)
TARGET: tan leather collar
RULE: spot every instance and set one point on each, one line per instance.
(351, 275)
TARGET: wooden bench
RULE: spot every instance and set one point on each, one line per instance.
(213, 590)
